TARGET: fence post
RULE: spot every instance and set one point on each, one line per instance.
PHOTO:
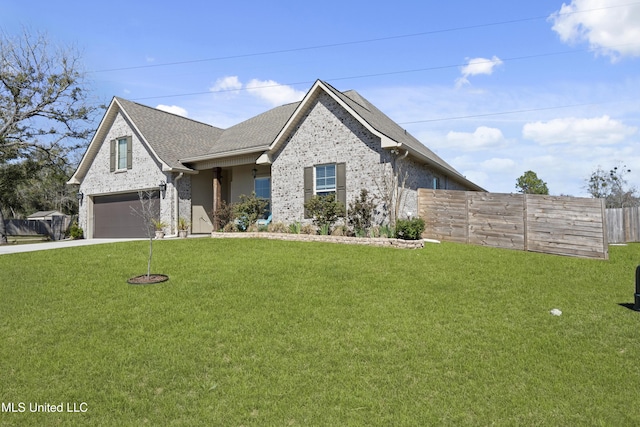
(636, 305)
(525, 221)
(605, 231)
(467, 196)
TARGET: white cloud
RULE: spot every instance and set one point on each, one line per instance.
(498, 165)
(174, 109)
(610, 27)
(477, 66)
(594, 131)
(482, 138)
(227, 83)
(273, 92)
(268, 90)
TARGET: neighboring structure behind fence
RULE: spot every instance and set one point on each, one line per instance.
(623, 225)
(550, 224)
(54, 228)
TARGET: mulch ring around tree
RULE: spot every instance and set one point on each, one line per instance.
(148, 280)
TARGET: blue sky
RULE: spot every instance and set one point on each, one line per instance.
(495, 90)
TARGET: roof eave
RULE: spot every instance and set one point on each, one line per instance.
(221, 155)
(440, 168)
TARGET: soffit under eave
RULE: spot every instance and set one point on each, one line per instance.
(224, 162)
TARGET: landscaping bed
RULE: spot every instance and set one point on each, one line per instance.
(370, 241)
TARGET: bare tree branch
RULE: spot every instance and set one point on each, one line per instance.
(44, 105)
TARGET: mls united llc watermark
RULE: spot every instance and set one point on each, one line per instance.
(19, 407)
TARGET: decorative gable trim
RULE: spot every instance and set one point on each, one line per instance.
(100, 137)
(319, 87)
(165, 167)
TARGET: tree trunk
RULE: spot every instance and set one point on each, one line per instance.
(3, 231)
(150, 255)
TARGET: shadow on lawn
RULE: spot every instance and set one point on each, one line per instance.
(628, 305)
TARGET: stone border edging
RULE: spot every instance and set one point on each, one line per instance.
(370, 241)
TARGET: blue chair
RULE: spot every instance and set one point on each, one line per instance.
(263, 221)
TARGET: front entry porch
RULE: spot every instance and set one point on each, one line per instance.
(210, 187)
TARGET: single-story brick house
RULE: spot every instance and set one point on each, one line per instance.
(331, 141)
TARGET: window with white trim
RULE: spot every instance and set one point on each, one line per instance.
(325, 179)
(122, 153)
(262, 188)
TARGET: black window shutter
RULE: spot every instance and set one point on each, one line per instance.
(129, 152)
(308, 187)
(112, 154)
(341, 183)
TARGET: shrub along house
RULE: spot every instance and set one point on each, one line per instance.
(330, 142)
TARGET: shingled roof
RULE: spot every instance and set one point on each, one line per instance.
(383, 124)
(253, 135)
(172, 137)
(178, 142)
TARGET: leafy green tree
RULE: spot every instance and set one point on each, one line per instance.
(37, 184)
(613, 187)
(44, 105)
(529, 183)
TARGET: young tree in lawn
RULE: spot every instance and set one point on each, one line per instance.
(43, 103)
(147, 212)
(529, 183)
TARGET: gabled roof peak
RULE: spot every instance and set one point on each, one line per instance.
(177, 142)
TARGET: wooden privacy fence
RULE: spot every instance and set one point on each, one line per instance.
(54, 228)
(623, 225)
(550, 224)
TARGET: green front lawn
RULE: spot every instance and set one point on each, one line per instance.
(261, 332)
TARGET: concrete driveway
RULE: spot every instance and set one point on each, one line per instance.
(14, 249)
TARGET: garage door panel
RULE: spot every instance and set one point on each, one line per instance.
(114, 216)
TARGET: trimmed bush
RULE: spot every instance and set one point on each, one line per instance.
(409, 229)
(325, 210)
(249, 210)
(75, 231)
